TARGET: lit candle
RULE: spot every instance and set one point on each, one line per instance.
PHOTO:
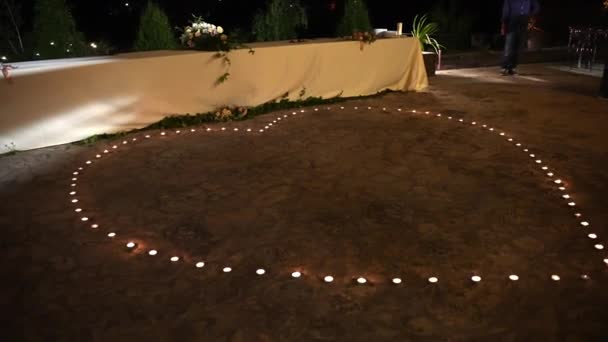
(260, 271)
(130, 244)
(606, 261)
(74, 201)
(585, 224)
(178, 132)
(476, 279)
(328, 279)
(200, 264)
(566, 196)
(73, 193)
(111, 235)
(397, 281)
(555, 277)
(361, 280)
(89, 162)
(192, 130)
(147, 137)
(78, 210)
(84, 219)
(592, 236)
(599, 247)
(76, 173)
(558, 181)
(399, 28)
(94, 226)
(153, 252)
(585, 277)
(163, 133)
(174, 259)
(572, 204)
(227, 270)
(433, 280)
(296, 274)
(514, 277)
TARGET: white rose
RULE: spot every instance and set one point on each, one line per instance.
(195, 25)
(188, 30)
(205, 31)
(213, 27)
(205, 25)
(197, 34)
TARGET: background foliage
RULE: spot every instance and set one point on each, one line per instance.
(282, 20)
(54, 31)
(355, 19)
(155, 32)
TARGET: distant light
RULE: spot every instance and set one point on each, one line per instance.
(4, 58)
(93, 45)
(126, 4)
(52, 43)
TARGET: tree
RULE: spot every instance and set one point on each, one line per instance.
(281, 21)
(10, 26)
(54, 31)
(455, 23)
(155, 31)
(355, 19)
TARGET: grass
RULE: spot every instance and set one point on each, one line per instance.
(187, 120)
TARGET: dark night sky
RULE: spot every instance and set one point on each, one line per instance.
(113, 21)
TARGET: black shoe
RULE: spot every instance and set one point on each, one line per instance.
(505, 72)
(512, 72)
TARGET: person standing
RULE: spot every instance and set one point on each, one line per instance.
(516, 15)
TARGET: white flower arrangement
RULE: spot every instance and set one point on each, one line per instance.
(200, 29)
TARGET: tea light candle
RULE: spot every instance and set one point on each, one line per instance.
(174, 259)
(361, 280)
(260, 271)
(555, 277)
(433, 280)
(153, 252)
(328, 279)
(399, 28)
(227, 270)
(296, 274)
(476, 279)
(397, 281)
(514, 277)
(200, 264)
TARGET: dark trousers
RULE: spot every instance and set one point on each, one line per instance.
(515, 40)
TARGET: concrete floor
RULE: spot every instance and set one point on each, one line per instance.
(351, 192)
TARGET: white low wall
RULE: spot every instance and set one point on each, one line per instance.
(55, 102)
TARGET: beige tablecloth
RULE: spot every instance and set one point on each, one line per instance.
(55, 102)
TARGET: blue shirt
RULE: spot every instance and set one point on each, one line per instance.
(519, 8)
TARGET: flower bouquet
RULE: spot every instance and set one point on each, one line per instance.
(363, 38)
(201, 35)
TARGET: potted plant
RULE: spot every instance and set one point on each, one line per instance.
(423, 30)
